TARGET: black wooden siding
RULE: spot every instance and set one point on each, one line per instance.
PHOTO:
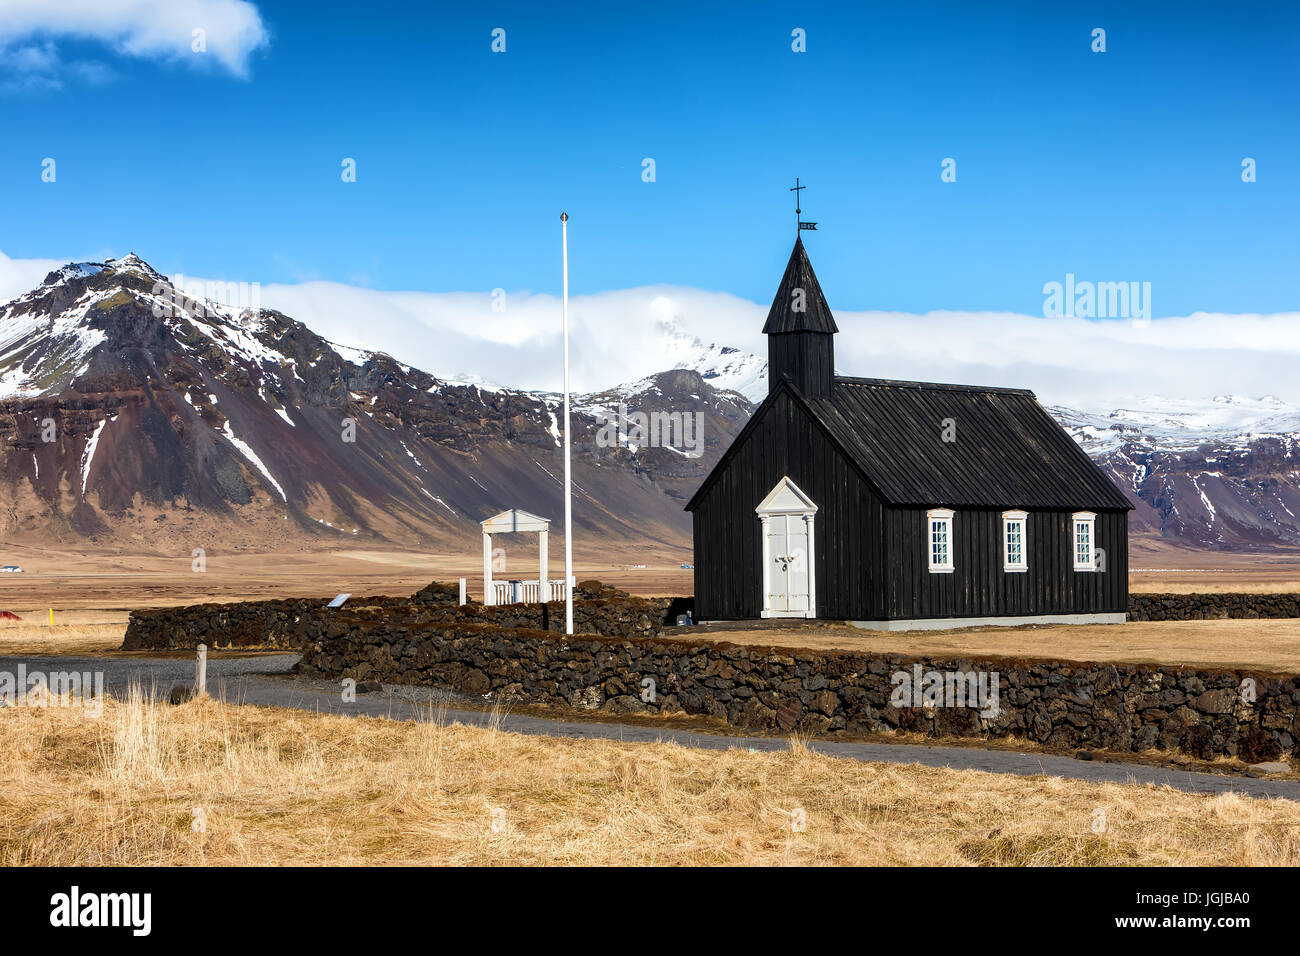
(978, 587)
(848, 539)
(871, 559)
(807, 358)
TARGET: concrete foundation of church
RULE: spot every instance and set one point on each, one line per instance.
(949, 623)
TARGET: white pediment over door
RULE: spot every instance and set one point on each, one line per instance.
(786, 498)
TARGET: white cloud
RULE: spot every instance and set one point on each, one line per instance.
(621, 336)
(615, 336)
(22, 275)
(1092, 364)
(151, 29)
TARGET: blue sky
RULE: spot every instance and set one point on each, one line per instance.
(1115, 166)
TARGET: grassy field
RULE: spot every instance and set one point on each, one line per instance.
(211, 784)
(73, 632)
(77, 580)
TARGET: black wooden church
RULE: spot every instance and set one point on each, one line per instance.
(900, 504)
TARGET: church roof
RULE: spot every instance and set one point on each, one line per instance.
(1007, 452)
(792, 312)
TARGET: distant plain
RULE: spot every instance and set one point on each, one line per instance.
(91, 594)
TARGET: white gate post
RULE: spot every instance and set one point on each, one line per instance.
(487, 568)
(464, 598)
(544, 587)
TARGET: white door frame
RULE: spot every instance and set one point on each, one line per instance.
(787, 500)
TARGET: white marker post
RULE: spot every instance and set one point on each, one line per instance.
(568, 499)
(201, 672)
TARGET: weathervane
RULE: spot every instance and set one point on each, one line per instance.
(797, 211)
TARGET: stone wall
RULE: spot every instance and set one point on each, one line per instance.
(269, 624)
(289, 623)
(1061, 705)
(1209, 607)
(619, 617)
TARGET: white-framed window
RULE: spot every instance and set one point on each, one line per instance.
(1014, 541)
(1084, 539)
(938, 536)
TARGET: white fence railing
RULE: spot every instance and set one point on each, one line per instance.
(526, 592)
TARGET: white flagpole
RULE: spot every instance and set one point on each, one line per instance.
(568, 497)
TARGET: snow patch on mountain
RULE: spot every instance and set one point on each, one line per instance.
(130, 263)
(38, 352)
(722, 366)
(252, 457)
(355, 356)
(1181, 425)
(75, 270)
(88, 457)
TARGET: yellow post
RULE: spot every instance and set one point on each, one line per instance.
(51, 617)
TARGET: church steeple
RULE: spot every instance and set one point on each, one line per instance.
(800, 330)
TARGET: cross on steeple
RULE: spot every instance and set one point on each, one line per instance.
(796, 188)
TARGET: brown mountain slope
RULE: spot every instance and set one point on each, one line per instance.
(134, 417)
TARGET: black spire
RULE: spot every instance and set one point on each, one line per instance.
(799, 305)
(801, 331)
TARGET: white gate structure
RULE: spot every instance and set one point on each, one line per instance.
(519, 592)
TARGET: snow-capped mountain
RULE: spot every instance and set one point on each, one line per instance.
(135, 415)
(1222, 474)
(723, 367)
(1180, 425)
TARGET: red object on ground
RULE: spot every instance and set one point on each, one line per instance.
(9, 616)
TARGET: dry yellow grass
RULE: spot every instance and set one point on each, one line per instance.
(73, 632)
(1246, 582)
(79, 579)
(209, 783)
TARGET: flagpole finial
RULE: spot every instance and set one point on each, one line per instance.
(564, 217)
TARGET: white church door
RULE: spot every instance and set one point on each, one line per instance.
(787, 537)
(789, 565)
